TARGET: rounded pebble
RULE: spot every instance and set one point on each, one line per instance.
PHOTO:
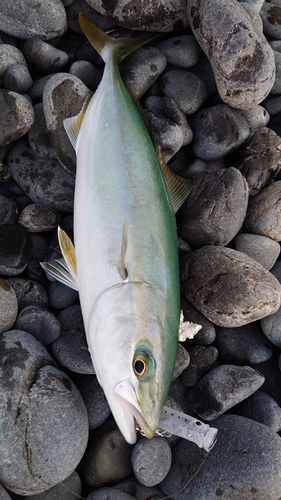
(42, 324)
(8, 306)
(38, 218)
(271, 327)
(60, 295)
(109, 494)
(151, 460)
(14, 249)
(29, 292)
(202, 360)
(89, 74)
(185, 88)
(8, 211)
(166, 133)
(38, 135)
(94, 398)
(17, 116)
(182, 51)
(264, 213)
(43, 56)
(69, 489)
(264, 250)
(262, 408)
(17, 78)
(10, 55)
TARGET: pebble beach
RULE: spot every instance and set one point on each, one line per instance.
(210, 88)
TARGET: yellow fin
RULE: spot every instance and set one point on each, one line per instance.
(106, 45)
(68, 252)
(124, 246)
(73, 125)
(178, 188)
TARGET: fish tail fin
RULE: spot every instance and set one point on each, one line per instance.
(106, 45)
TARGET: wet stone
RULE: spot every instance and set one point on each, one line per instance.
(69, 489)
(244, 463)
(14, 249)
(10, 55)
(218, 130)
(38, 218)
(17, 116)
(60, 295)
(33, 393)
(140, 69)
(33, 19)
(223, 388)
(17, 78)
(42, 324)
(151, 460)
(262, 408)
(44, 180)
(8, 210)
(8, 307)
(43, 56)
(243, 345)
(202, 360)
(228, 287)
(261, 248)
(93, 396)
(182, 51)
(29, 292)
(70, 349)
(241, 58)
(187, 90)
(38, 135)
(215, 209)
(264, 213)
(109, 457)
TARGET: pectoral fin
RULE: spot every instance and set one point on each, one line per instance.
(124, 246)
(73, 125)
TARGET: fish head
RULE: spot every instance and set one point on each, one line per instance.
(134, 360)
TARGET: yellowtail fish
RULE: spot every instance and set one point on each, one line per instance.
(125, 262)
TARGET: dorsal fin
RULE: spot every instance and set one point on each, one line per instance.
(73, 125)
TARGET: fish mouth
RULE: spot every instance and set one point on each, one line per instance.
(126, 395)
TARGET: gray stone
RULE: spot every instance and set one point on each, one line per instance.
(262, 408)
(109, 457)
(276, 270)
(38, 135)
(207, 334)
(241, 58)
(218, 130)
(44, 180)
(38, 449)
(8, 211)
(182, 51)
(43, 56)
(17, 78)
(228, 287)
(253, 12)
(37, 218)
(36, 90)
(264, 213)
(8, 306)
(271, 18)
(182, 361)
(29, 292)
(33, 19)
(77, 6)
(156, 16)
(4, 172)
(14, 249)
(185, 88)
(38, 247)
(222, 388)
(94, 398)
(4, 495)
(261, 248)
(60, 295)
(203, 70)
(243, 345)
(166, 133)
(271, 327)
(17, 116)
(215, 209)
(151, 460)
(202, 360)
(256, 117)
(69, 489)
(273, 105)
(42, 324)
(89, 74)
(243, 464)
(132, 487)
(9, 55)
(109, 494)
(142, 68)
(70, 348)
(276, 88)
(63, 97)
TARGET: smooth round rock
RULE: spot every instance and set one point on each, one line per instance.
(218, 130)
(243, 464)
(241, 58)
(132, 487)
(70, 349)
(44, 180)
(38, 135)
(185, 88)
(215, 209)
(60, 295)
(8, 211)
(94, 398)
(276, 89)
(89, 74)
(142, 68)
(151, 460)
(29, 292)
(264, 213)
(109, 494)
(38, 247)
(202, 359)
(166, 133)
(32, 19)
(182, 361)
(157, 16)
(271, 18)
(63, 97)
(8, 306)
(42, 324)
(17, 116)
(228, 287)
(17, 78)
(69, 489)
(43, 56)
(179, 118)
(264, 250)
(14, 249)
(109, 457)
(222, 388)
(38, 218)
(262, 408)
(243, 345)
(256, 117)
(182, 51)
(38, 449)
(271, 327)
(4, 495)
(9, 55)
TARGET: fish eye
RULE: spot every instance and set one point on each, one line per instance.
(142, 365)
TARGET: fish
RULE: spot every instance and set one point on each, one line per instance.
(125, 260)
